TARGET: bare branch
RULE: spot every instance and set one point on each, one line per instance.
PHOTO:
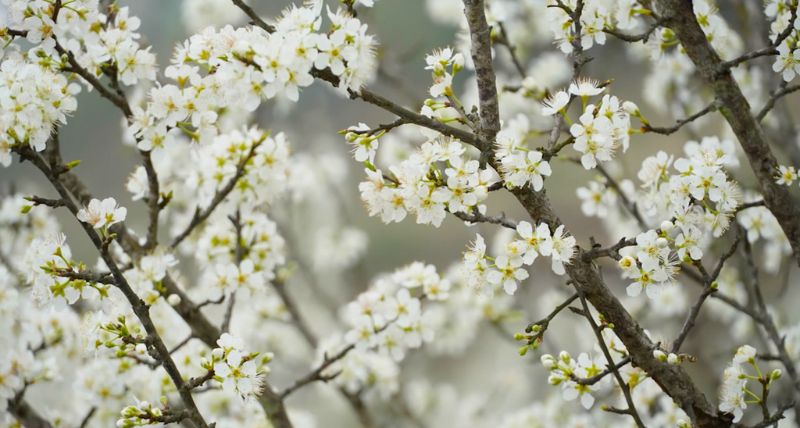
(680, 123)
(316, 374)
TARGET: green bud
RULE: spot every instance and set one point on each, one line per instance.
(523, 350)
(26, 209)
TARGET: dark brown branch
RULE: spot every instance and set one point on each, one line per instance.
(316, 374)
(24, 413)
(481, 43)
(632, 38)
(200, 215)
(600, 376)
(736, 110)
(766, 51)
(777, 416)
(90, 78)
(626, 202)
(774, 97)
(512, 50)
(86, 419)
(255, 19)
(52, 203)
(158, 349)
(680, 123)
(279, 285)
(626, 390)
(153, 207)
(766, 321)
(477, 217)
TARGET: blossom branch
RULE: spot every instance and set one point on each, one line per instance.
(766, 51)
(200, 215)
(766, 321)
(736, 110)
(139, 307)
(626, 391)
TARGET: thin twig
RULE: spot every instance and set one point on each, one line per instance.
(316, 374)
(626, 391)
(681, 122)
(200, 215)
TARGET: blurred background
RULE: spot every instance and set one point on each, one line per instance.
(407, 30)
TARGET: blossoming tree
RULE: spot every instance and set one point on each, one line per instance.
(195, 320)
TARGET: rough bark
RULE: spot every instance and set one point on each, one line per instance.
(679, 16)
(480, 39)
(672, 379)
(26, 415)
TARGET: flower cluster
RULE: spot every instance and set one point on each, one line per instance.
(236, 370)
(595, 17)
(700, 193)
(433, 180)
(103, 42)
(389, 317)
(735, 378)
(520, 165)
(33, 100)
(53, 274)
(651, 267)
(598, 198)
(444, 65)
(601, 129)
(121, 336)
(260, 162)
(505, 271)
(258, 240)
(780, 12)
(445, 105)
(234, 68)
(146, 277)
(571, 374)
(102, 214)
(142, 414)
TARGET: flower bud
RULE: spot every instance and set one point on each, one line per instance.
(174, 300)
(660, 355)
(141, 348)
(662, 242)
(548, 361)
(673, 359)
(630, 108)
(666, 226)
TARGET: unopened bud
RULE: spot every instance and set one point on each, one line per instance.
(174, 300)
